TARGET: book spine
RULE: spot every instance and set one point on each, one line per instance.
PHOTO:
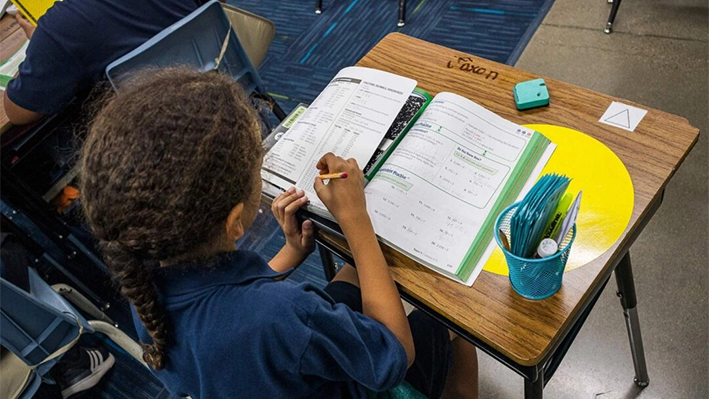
(396, 142)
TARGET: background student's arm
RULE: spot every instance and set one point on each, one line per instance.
(344, 199)
(18, 115)
(300, 239)
(49, 78)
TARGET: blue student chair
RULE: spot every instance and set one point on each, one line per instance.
(255, 32)
(36, 329)
(203, 39)
(199, 40)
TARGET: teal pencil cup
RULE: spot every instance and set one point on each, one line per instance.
(533, 278)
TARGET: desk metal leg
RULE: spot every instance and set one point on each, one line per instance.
(626, 293)
(402, 13)
(535, 389)
(328, 262)
(318, 7)
(611, 18)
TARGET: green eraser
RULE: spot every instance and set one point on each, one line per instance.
(531, 94)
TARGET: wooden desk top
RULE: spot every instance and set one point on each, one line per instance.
(521, 329)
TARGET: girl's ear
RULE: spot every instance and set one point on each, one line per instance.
(234, 223)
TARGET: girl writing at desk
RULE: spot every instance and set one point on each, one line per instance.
(170, 182)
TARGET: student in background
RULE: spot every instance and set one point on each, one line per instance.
(72, 45)
(171, 180)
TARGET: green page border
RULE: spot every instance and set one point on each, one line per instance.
(528, 161)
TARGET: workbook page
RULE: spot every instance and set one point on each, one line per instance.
(349, 118)
(433, 194)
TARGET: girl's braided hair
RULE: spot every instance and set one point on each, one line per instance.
(165, 161)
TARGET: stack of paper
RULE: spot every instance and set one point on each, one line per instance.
(534, 212)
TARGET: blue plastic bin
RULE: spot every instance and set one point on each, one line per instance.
(195, 40)
(533, 278)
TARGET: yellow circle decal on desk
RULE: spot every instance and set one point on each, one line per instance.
(607, 201)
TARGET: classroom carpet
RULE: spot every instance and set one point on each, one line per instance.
(306, 53)
(309, 49)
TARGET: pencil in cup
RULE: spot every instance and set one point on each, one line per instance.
(533, 278)
(331, 176)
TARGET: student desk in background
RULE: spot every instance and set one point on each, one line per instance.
(12, 37)
(531, 337)
(29, 182)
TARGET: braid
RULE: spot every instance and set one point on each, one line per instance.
(136, 285)
(164, 163)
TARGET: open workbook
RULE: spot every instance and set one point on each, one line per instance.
(439, 170)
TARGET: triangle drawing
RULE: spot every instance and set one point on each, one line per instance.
(622, 118)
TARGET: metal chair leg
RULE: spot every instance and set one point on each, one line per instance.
(611, 18)
(402, 13)
(328, 263)
(318, 7)
(626, 293)
(535, 389)
(278, 111)
(80, 301)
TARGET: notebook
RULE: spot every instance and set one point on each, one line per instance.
(33, 9)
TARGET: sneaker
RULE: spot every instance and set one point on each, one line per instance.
(83, 371)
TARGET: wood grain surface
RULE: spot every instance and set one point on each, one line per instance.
(521, 329)
(12, 37)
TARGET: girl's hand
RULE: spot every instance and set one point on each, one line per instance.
(344, 198)
(300, 239)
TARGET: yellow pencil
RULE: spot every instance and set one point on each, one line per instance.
(340, 175)
(503, 238)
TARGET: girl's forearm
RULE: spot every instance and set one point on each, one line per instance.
(286, 259)
(380, 298)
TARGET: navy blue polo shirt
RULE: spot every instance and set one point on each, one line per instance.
(238, 332)
(75, 41)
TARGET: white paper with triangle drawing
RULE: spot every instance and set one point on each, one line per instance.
(623, 116)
